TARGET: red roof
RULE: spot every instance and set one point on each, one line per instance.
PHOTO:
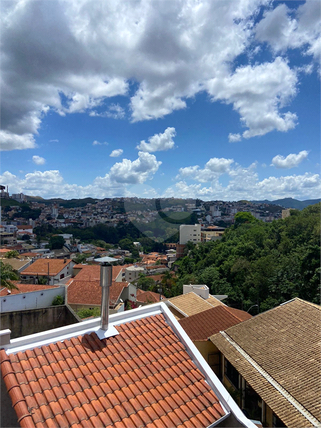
(49, 267)
(142, 377)
(25, 288)
(89, 292)
(148, 296)
(206, 323)
(92, 272)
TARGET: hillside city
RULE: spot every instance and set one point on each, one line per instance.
(170, 252)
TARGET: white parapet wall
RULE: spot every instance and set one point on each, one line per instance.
(30, 300)
(201, 290)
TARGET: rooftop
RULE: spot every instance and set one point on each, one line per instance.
(49, 267)
(189, 304)
(146, 374)
(278, 354)
(25, 288)
(89, 292)
(204, 324)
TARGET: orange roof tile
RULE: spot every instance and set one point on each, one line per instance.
(30, 254)
(142, 377)
(204, 324)
(25, 288)
(148, 296)
(92, 272)
(89, 292)
(46, 266)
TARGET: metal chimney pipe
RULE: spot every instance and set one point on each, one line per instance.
(105, 283)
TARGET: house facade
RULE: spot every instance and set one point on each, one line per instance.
(52, 270)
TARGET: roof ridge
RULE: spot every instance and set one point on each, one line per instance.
(235, 316)
(299, 407)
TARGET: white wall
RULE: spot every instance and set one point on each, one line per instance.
(189, 233)
(201, 290)
(32, 300)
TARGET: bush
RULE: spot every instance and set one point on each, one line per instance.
(58, 300)
(90, 312)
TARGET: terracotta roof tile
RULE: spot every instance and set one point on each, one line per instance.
(89, 292)
(204, 324)
(156, 388)
(43, 266)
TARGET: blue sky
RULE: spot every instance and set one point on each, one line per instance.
(207, 99)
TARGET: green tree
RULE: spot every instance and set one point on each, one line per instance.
(56, 242)
(244, 217)
(12, 254)
(80, 258)
(145, 283)
(8, 274)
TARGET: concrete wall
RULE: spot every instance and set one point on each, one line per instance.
(31, 300)
(23, 323)
(189, 233)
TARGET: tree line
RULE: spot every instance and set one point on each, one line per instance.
(257, 263)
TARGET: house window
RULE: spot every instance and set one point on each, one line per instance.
(231, 373)
(62, 275)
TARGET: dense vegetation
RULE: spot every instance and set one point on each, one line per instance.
(259, 263)
(105, 233)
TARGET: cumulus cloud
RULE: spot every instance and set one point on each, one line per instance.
(258, 93)
(212, 169)
(11, 141)
(134, 172)
(116, 153)
(50, 184)
(38, 160)
(284, 28)
(159, 142)
(82, 54)
(234, 138)
(246, 185)
(290, 161)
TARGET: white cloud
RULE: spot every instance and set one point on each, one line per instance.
(116, 153)
(50, 184)
(137, 171)
(282, 30)
(212, 169)
(170, 54)
(97, 143)
(159, 142)
(258, 93)
(54, 141)
(114, 111)
(234, 138)
(246, 185)
(290, 161)
(242, 183)
(38, 160)
(11, 141)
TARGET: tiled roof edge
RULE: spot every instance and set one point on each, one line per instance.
(168, 303)
(84, 327)
(12, 385)
(273, 382)
(226, 400)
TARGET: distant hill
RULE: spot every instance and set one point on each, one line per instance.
(142, 204)
(290, 203)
